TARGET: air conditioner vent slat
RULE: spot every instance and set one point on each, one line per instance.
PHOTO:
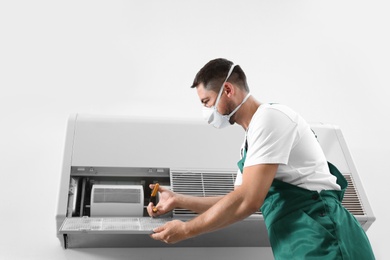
(207, 184)
(351, 199)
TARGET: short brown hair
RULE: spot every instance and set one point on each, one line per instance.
(214, 73)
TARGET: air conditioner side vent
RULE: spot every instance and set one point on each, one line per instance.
(351, 199)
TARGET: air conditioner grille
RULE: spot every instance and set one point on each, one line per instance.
(206, 184)
(201, 184)
(111, 195)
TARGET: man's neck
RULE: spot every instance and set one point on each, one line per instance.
(245, 113)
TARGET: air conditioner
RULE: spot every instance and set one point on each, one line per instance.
(118, 157)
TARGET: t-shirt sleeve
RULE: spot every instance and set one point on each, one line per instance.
(238, 180)
(270, 138)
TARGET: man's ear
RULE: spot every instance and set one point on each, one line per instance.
(229, 89)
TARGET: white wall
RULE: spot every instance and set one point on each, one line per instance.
(329, 60)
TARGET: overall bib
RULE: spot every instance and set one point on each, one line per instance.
(305, 224)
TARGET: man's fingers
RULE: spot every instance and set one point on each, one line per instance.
(149, 208)
(157, 233)
(151, 186)
(153, 210)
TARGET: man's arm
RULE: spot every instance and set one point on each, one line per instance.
(237, 205)
(170, 200)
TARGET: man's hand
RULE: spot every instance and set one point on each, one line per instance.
(165, 204)
(172, 232)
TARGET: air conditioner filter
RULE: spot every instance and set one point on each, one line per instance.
(117, 201)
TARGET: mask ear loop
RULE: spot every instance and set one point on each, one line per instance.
(238, 107)
(223, 84)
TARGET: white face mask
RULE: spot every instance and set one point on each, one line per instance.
(212, 115)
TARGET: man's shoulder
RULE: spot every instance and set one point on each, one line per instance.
(273, 113)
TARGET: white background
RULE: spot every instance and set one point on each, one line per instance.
(328, 60)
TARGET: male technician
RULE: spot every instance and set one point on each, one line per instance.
(283, 171)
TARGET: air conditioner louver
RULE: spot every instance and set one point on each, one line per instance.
(206, 184)
(351, 199)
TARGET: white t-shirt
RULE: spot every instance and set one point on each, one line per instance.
(278, 135)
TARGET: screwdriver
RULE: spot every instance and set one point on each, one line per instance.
(153, 196)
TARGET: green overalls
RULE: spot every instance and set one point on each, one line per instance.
(304, 224)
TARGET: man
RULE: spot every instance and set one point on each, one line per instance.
(283, 171)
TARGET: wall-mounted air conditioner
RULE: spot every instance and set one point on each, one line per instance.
(110, 161)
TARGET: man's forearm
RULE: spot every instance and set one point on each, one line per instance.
(195, 204)
(227, 210)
